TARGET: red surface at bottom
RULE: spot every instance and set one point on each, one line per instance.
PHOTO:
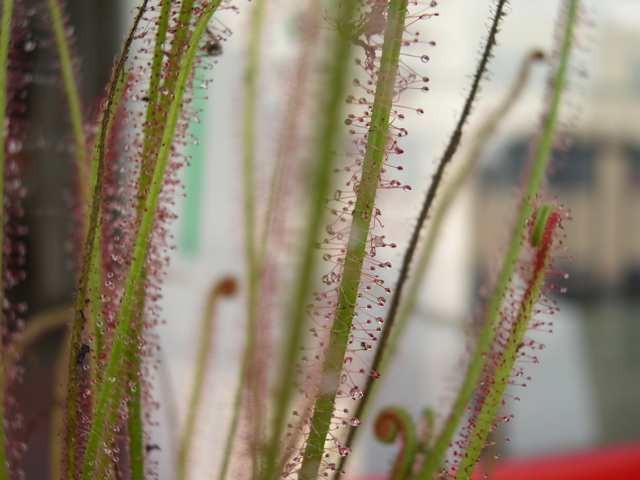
(614, 463)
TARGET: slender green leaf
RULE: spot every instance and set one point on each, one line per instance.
(534, 181)
(501, 374)
(323, 153)
(89, 250)
(73, 98)
(377, 139)
(111, 389)
(253, 262)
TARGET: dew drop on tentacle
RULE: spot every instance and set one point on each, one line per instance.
(343, 451)
(356, 393)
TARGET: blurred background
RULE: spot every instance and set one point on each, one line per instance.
(584, 394)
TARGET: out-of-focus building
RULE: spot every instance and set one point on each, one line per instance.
(595, 175)
(598, 180)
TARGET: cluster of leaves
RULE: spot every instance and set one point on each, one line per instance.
(340, 325)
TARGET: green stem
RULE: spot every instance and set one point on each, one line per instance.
(429, 421)
(5, 35)
(156, 64)
(92, 277)
(135, 427)
(152, 131)
(73, 98)
(536, 175)
(356, 248)
(160, 95)
(226, 287)
(288, 137)
(74, 376)
(253, 262)
(110, 390)
(391, 422)
(484, 421)
(95, 286)
(94, 323)
(407, 261)
(388, 345)
(153, 118)
(289, 133)
(323, 156)
(85, 182)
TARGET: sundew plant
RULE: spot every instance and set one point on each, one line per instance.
(324, 305)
